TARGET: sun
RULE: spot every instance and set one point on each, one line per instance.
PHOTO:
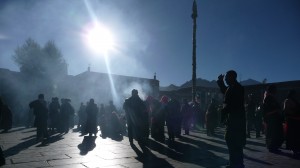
(99, 38)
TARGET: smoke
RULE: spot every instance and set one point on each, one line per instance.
(97, 86)
(144, 89)
(3, 37)
(63, 22)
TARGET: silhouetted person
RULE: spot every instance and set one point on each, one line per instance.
(273, 120)
(103, 121)
(67, 111)
(200, 113)
(111, 107)
(158, 112)
(2, 158)
(233, 109)
(54, 108)
(250, 109)
(72, 115)
(3, 111)
(5, 117)
(178, 119)
(187, 114)
(292, 116)
(197, 111)
(91, 118)
(149, 105)
(136, 113)
(108, 126)
(173, 113)
(115, 126)
(40, 111)
(259, 120)
(81, 116)
(100, 115)
(212, 117)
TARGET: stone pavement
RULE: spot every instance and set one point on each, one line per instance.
(69, 151)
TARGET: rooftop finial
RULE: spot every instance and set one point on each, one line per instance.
(195, 12)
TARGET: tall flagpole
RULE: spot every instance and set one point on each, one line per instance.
(194, 17)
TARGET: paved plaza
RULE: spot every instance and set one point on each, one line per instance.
(70, 151)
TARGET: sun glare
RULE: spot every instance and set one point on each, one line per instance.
(99, 39)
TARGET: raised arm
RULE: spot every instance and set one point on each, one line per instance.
(221, 83)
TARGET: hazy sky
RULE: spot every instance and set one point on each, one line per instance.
(257, 38)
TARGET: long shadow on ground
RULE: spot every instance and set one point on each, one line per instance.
(13, 130)
(149, 159)
(188, 153)
(19, 147)
(28, 142)
(257, 160)
(225, 150)
(88, 144)
(52, 139)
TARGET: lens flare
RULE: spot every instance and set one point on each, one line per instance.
(99, 39)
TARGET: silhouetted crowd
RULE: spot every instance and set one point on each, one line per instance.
(59, 117)
(140, 119)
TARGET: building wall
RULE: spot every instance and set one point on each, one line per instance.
(207, 93)
(80, 88)
(104, 87)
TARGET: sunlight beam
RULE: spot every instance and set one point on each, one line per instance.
(101, 40)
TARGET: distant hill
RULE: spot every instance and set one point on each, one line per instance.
(200, 82)
(205, 83)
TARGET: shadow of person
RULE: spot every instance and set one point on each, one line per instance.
(216, 135)
(257, 160)
(16, 129)
(148, 158)
(2, 158)
(30, 137)
(214, 148)
(153, 145)
(194, 152)
(19, 147)
(205, 145)
(51, 139)
(28, 130)
(222, 142)
(88, 144)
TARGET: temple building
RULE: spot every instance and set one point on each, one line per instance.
(103, 87)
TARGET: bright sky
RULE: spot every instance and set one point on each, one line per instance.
(257, 38)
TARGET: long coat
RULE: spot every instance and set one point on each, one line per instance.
(136, 115)
(273, 119)
(54, 114)
(5, 117)
(292, 116)
(91, 118)
(40, 111)
(212, 116)
(234, 110)
(158, 120)
(173, 117)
